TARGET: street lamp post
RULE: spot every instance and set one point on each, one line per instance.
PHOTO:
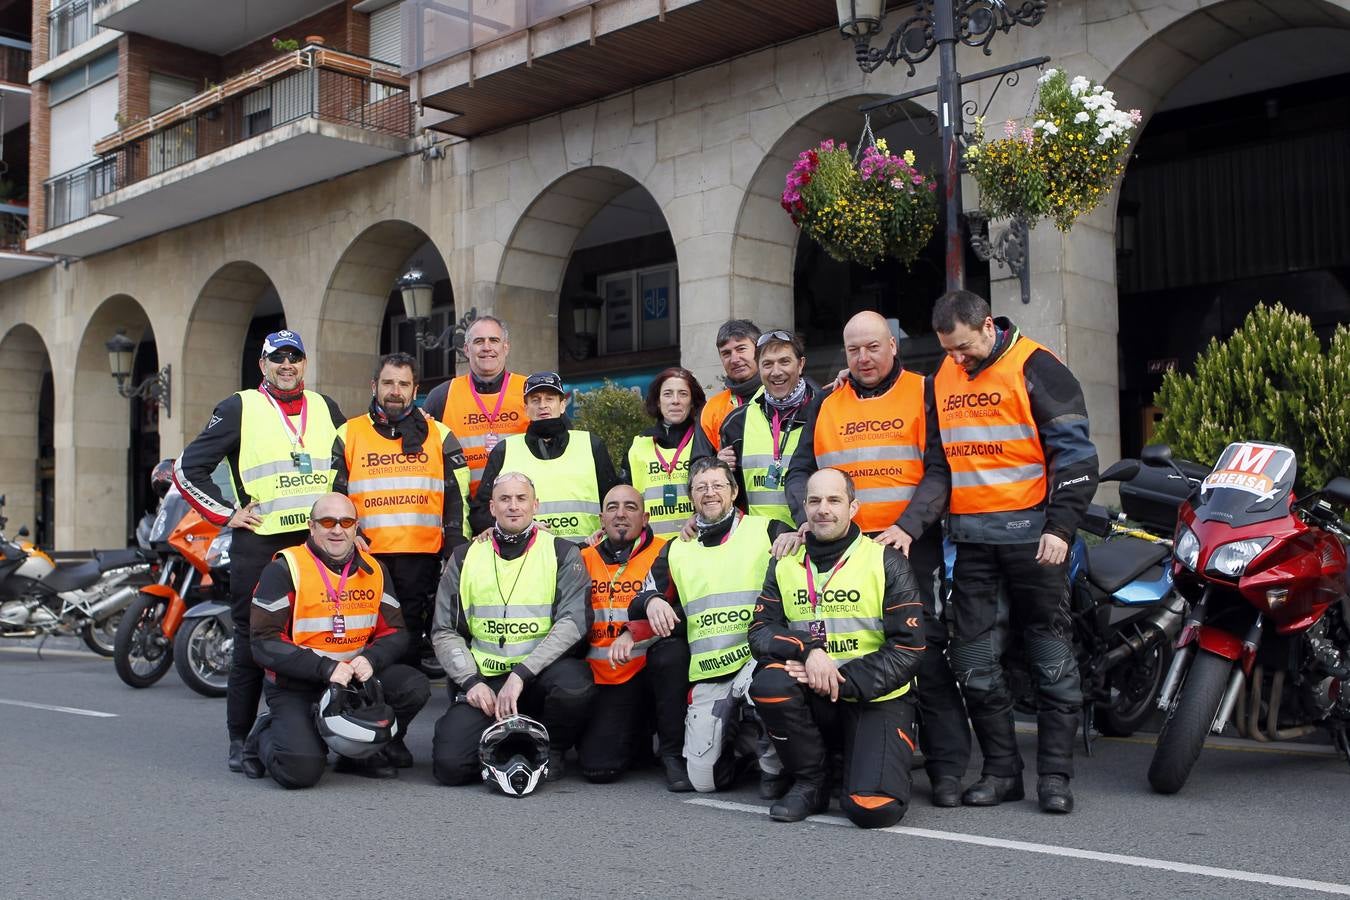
(417, 291)
(938, 26)
(121, 358)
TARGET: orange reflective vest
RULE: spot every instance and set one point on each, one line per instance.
(879, 441)
(989, 436)
(472, 426)
(612, 589)
(718, 407)
(313, 611)
(399, 498)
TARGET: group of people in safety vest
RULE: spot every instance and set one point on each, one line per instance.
(757, 594)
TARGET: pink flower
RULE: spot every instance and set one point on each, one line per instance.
(917, 178)
(1028, 136)
(1136, 116)
(1009, 128)
(932, 186)
(897, 183)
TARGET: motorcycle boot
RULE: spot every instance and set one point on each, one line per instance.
(1054, 795)
(1001, 778)
(946, 791)
(371, 767)
(806, 797)
(677, 775)
(250, 763)
(235, 760)
(398, 755)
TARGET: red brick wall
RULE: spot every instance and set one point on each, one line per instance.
(332, 24)
(39, 157)
(140, 55)
(40, 31)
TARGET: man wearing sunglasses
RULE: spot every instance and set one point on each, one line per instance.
(277, 440)
(324, 613)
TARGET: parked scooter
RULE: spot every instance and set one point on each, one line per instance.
(39, 598)
(1269, 631)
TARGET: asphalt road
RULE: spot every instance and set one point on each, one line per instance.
(137, 802)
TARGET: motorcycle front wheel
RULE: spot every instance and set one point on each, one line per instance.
(1136, 684)
(1188, 722)
(202, 651)
(101, 637)
(141, 652)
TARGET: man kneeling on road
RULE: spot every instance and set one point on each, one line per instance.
(839, 620)
(512, 616)
(322, 613)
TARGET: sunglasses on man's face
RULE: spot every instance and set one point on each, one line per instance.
(333, 522)
(285, 356)
(783, 336)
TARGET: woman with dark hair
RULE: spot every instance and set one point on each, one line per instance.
(658, 460)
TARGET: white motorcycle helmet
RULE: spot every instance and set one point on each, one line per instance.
(514, 754)
(353, 719)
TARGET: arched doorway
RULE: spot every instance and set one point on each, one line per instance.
(1238, 193)
(363, 314)
(27, 457)
(116, 443)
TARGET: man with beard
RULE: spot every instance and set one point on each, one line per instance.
(838, 634)
(619, 568)
(406, 475)
(571, 469)
(277, 439)
(880, 428)
(736, 348)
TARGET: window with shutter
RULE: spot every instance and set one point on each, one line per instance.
(386, 39)
(167, 91)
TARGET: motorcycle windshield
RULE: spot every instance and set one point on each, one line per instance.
(171, 511)
(1252, 482)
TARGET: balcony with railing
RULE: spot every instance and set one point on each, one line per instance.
(69, 24)
(301, 118)
(14, 261)
(16, 58)
(212, 26)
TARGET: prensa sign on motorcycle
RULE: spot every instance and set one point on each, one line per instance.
(1252, 467)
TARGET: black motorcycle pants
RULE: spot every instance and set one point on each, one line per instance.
(249, 555)
(288, 741)
(944, 732)
(559, 697)
(875, 738)
(415, 577)
(1000, 590)
(622, 716)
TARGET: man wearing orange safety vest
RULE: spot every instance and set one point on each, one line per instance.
(399, 467)
(879, 428)
(1023, 469)
(620, 568)
(485, 406)
(736, 348)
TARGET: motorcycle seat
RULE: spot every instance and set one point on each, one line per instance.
(73, 577)
(1115, 563)
(118, 559)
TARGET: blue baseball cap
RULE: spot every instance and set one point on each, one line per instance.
(279, 340)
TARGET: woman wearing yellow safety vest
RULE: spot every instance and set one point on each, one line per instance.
(658, 460)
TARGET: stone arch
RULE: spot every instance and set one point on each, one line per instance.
(94, 498)
(536, 255)
(216, 331)
(25, 364)
(353, 310)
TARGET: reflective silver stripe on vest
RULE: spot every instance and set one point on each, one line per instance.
(718, 601)
(766, 498)
(886, 495)
(295, 501)
(282, 467)
(757, 461)
(887, 453)
(667, 526)
(410, 483)
(605, 615)
(325, 623)
(986, 477)
(966, 433)
(658, 492)
(402, 520)
(516, 611)
(716, 642)
(602, 653)
(524, 648)
(570, 506)
(473, 440)
(841, 625)
(339, 654)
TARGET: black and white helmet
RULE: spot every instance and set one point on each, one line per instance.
(353, 719)
(514, 754)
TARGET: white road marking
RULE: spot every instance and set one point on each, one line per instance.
(33, 651)
(73, 710)
(1142, 862)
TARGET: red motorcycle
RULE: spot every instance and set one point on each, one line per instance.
(1268, 632)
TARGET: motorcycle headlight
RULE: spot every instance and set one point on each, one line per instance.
(1231, 559)
(1188, 548)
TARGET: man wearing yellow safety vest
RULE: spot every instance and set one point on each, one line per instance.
(879, 428)
(485, 405)
(838, 634)
(764, 433)
(1023, 470)
(620, 568)
(278, 441)
(570, 469)
(406, 475)
(512, 615)
(703, 596)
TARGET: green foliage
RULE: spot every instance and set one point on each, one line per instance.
(614, 413)
(1270, 381)
(285, 46)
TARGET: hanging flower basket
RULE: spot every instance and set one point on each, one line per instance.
(1064, 163)
(876, 208)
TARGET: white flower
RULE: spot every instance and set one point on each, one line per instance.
(1079, 86)
(1082, 117)
(1047, 75)
(1104, 136)
(1050, 128)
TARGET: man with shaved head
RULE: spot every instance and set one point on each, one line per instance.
(324, 613)
(619, 568)
(880, 428)
(512, 615)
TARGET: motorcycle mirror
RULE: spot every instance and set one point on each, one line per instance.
(1123, 470)
(1157, 455)
(1338, 489)
(23, 531)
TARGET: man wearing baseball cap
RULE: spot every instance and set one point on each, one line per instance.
(277, 439)
(571, 469)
